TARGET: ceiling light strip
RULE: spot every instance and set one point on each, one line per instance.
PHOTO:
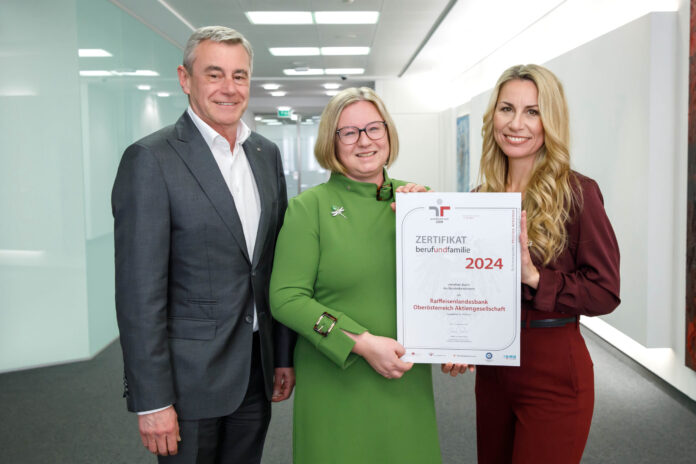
(430, 33)
(93, 53)
(345, 51)
(294, 51)
(316, 51)
(347, 71)
(177, 14)
(309, 17)
(303, 72)
(105, 73)
(279, 17)
(346, 17)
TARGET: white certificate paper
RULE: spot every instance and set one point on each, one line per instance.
(458, 277)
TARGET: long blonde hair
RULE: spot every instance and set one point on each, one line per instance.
(552, 190)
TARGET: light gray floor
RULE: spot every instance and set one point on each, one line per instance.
(636, 419)
(75, 414)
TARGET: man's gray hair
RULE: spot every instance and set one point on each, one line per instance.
(216, 34)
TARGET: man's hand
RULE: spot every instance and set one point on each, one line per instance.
(160, 431)
(283, 383)
(454, 369)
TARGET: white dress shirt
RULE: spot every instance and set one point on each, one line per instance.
(236, 171)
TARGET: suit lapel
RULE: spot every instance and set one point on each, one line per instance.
(263, 178)
(193, 150)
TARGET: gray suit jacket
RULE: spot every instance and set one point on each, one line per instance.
(185, 285)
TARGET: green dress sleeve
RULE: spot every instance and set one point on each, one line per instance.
(292, 284)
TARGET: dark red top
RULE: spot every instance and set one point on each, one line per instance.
(584, 279)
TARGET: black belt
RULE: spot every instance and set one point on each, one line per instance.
(559, 322)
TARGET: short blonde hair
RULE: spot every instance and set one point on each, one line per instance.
(552, 191)
(325, 148)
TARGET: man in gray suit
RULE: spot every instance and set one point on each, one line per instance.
(197, 207)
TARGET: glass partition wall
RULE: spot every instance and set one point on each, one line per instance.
(296, 142)
(72, 98)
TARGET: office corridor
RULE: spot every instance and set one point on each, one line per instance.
(74, 413)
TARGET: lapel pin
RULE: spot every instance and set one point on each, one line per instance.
(336, 211)
(258, 148)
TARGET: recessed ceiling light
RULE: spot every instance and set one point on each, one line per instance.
(269, 120)
(271, 86)
(346, 17)
(332, 86)
(345, 50)
(308, 122)
(138, 72)
(279, 17)
(92, 53)
(278, 93)
(283, 108)
(163, 94)
(294, 51)
(303, 72)
(95, 73)
(257, 118)
(331, 93)
(294, 117)
(274, 123)
(142, 72)
(344, 70)
(144, 87)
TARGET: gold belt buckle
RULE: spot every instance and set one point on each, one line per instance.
(324, 326)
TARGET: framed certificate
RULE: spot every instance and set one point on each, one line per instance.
(458, 277)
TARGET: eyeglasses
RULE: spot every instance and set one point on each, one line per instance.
(350, 135)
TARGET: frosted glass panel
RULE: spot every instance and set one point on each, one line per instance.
(61, 138)
(42, 254)
(126, 102)
(115, 112)
(300, 167)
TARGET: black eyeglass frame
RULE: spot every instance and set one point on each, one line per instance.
(364, 129)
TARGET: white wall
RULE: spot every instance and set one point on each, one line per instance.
(626, 79)
(623, 135)
(422, 165)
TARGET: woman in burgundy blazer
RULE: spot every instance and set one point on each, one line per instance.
(540, 412)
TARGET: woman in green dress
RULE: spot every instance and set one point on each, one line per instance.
(334, 283)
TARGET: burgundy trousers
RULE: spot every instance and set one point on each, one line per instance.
(541, 411)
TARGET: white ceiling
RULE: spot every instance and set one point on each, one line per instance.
(400, 32)
(475, 29)
(438, 40)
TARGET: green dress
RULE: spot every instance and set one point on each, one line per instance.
(336, 254)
